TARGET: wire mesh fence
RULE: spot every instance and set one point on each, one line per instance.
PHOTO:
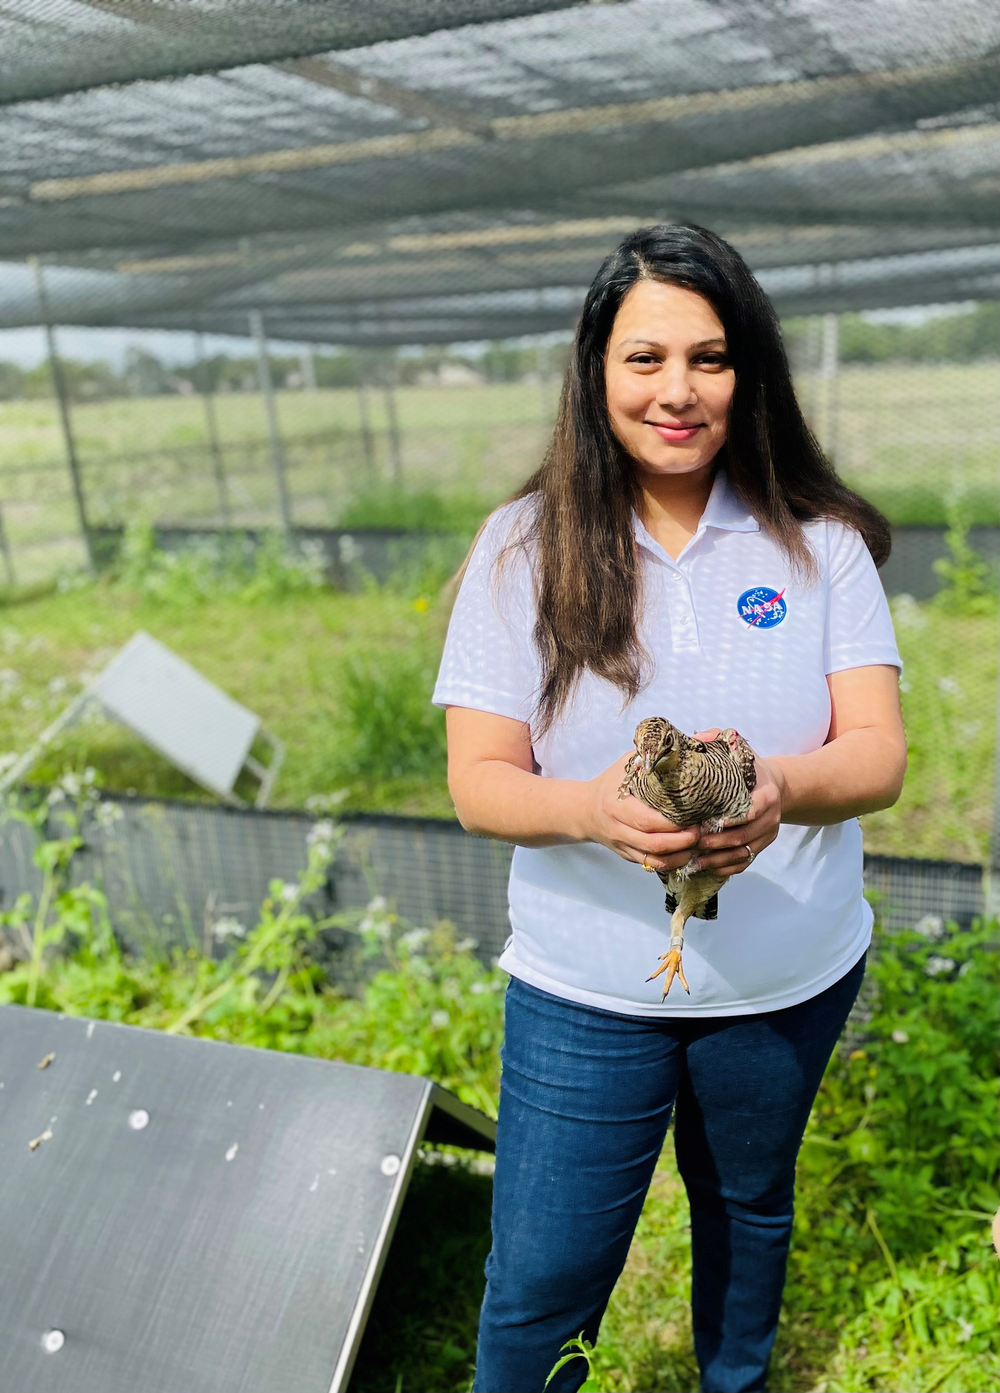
(174, 872)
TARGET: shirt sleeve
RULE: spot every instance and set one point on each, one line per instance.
(859, 629)
(489, 661)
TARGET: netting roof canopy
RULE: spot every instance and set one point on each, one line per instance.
(466, 182)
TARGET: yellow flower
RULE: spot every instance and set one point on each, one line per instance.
(421, 605)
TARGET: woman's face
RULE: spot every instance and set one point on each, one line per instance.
(668, 378)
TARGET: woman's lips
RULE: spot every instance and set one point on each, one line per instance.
(674, 434)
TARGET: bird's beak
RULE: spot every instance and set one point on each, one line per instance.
(647, 762)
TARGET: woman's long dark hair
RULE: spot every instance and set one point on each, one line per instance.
(587, 569)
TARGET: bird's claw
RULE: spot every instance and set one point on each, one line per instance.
(671, 964)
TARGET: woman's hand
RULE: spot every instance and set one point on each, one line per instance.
(631, 828)
(725, 853)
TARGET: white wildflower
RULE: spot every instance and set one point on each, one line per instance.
(107, 814)
(9, 677)
(288, 891)
(965, 1330)
(378, 905)
(439, 1019)
(907, 613)
(57, 685)
(931, 926)
(326, 802)
(934, 966)
(465, 945)
(56, 795)
(901, 1037)
(228, 928)
(321, 837)
(478, 988)
(949, 686)
(414, 940)
(71, 784)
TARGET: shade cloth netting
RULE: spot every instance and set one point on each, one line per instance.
(465, 183)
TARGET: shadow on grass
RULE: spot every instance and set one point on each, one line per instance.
(421, 1335)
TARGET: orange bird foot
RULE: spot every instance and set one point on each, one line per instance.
(671, 964)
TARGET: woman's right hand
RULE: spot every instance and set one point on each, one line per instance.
(630, 827)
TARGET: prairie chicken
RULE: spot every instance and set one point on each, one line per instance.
(694, 783)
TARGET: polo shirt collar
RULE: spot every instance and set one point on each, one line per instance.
(723, 510)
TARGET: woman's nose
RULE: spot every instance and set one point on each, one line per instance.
(674, 387)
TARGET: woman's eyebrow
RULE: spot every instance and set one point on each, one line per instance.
(655, 343)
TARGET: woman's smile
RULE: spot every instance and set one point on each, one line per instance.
(677, 433)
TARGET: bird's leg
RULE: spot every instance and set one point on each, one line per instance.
(670, 962)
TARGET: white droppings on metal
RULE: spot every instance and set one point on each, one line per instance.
(90, 1029)
(44, 1063)
(53, 1341)
(91, 1096)
(232, 1150)
(389, 1165)
(138, 1119)
(260, 1106)
(116, 1076)
(315, 1185)
(36, 1142)
(332, 1170)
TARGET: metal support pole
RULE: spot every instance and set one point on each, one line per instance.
(270, 410)
(211, 427)
(828, 371)
(8, 560)
(62, 397)
(307, 363)
(364, 416)
(395, 444)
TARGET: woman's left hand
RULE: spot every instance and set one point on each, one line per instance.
(725, 853)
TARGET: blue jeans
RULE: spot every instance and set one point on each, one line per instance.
(585, 1100)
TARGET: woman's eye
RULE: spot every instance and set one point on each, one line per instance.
(713, 360)
(643, 359)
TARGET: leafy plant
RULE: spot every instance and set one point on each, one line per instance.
(392, 730)
(420, 510)
(967, 585)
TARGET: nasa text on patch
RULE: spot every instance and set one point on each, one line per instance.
(762, 607)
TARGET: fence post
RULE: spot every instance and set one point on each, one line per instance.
(5, 548)
(395, 444)
(828, 372)
(203, 379)
(62, 397)
(270, 411)
(364, 416)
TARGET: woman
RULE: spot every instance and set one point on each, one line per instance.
(684, 551)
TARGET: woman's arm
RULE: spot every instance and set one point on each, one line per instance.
(496, 794)
(859, 770)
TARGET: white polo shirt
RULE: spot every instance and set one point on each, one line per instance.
(735, 638)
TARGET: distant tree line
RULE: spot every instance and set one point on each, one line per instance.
(963, 337)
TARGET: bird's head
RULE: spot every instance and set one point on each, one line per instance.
(658, 743)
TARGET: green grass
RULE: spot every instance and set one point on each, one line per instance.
(343, 679)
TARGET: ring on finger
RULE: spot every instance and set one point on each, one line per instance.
(751, 855)
(644, 866)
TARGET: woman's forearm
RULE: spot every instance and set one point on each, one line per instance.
(859, 772)
(496, 799)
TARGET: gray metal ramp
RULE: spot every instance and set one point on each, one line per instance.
(184, 1216)
(176, 710)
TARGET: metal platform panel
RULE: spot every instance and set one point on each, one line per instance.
(178, 711)
(183, 1216)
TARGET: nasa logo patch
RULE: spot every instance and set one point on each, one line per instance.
(762, 607)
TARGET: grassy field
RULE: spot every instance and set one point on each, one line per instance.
(344, 678)
(148, 457)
